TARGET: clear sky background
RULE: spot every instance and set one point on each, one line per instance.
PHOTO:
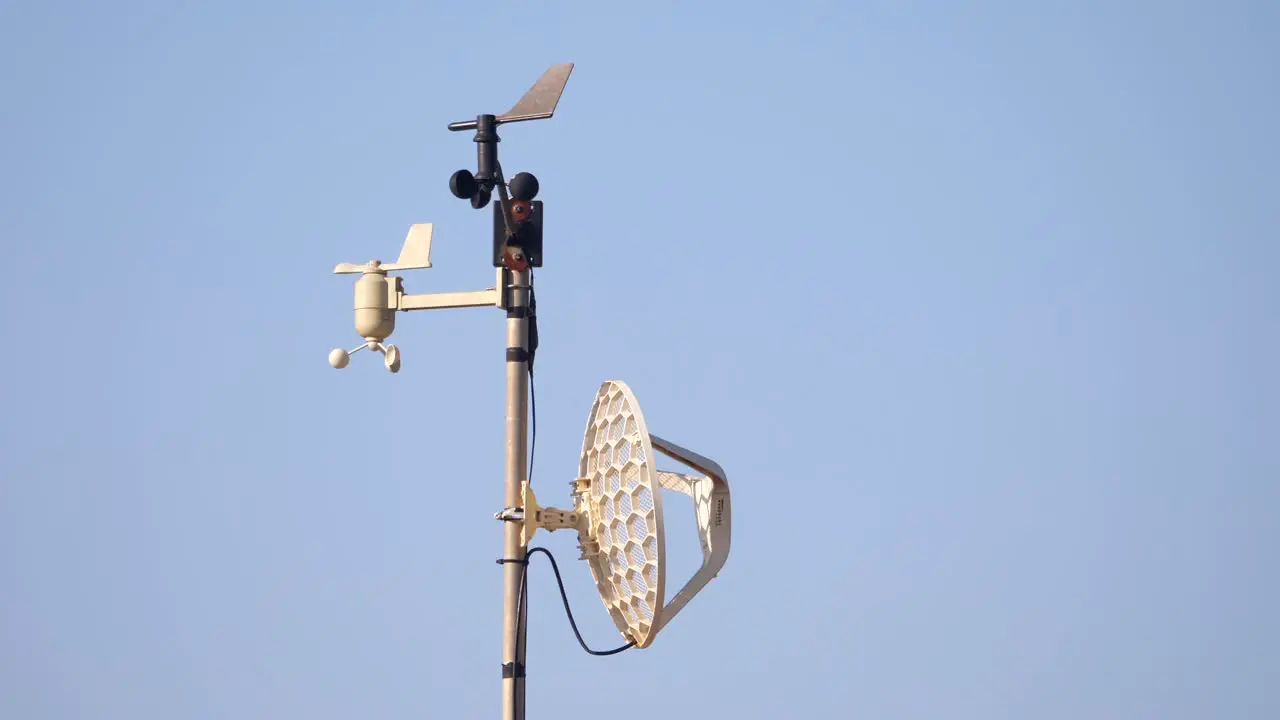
(975, 302)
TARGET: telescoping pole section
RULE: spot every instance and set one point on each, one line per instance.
(517, 286)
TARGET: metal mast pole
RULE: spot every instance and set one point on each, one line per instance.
(515, 556)
(517, 247)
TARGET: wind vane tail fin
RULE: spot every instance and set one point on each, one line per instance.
(416, 252)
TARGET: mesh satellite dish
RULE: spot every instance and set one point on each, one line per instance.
(618, 514)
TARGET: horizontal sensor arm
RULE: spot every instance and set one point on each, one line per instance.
(438, 301)
(397, 299)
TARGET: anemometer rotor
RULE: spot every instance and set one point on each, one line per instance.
(338, 358)
(617, 491)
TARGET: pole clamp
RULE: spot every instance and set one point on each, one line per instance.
(511, 514)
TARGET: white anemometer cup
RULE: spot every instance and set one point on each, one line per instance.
(619, 516)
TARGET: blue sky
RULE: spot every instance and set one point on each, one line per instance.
(975, 302)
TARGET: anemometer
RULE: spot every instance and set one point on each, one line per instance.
(616, 494)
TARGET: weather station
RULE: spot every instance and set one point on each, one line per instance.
(616, 490)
